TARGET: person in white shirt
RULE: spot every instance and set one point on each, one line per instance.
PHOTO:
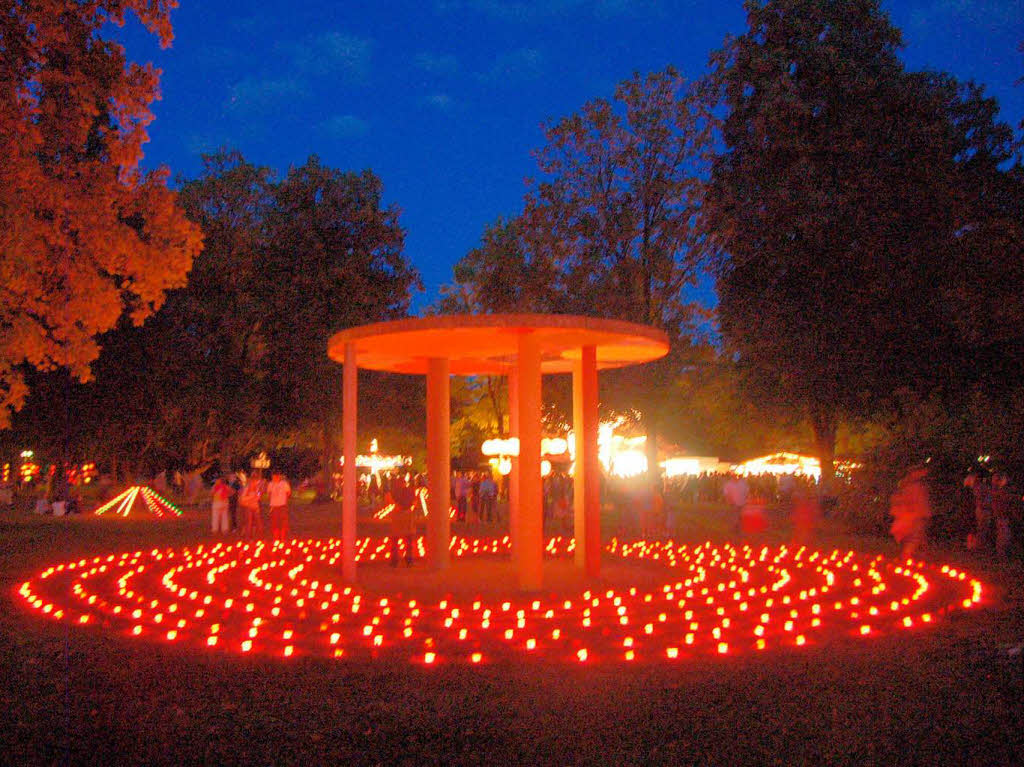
(278, 492)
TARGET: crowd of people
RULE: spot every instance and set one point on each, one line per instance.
(993, 508)
(710, 487)
(236, 500)
(989, 511)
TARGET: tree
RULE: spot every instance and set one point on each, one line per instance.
(333, 259)
(717, 418)
(607, 230)
(615, 212)
(214, 329)
(841, 206)
(236, 360)
(85, 236)
(503, 274)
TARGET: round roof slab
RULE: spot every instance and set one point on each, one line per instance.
(481, 344)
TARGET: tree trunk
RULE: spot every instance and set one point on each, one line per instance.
(327, 456)
(651, 449)
(824, 425)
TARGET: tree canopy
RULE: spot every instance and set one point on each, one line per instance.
(863, 214)
(237, 359)
(608, 228)
(85, 236)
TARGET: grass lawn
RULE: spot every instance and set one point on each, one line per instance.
(951, 694)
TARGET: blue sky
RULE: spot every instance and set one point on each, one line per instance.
(443, 99)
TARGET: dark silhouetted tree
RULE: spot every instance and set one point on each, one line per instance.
(845, 201)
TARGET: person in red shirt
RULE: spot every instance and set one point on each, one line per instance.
(220, 497)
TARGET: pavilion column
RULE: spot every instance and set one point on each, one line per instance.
(587, 474)
(349, 494)
(530, 525)
(438, 463)
(513, 477)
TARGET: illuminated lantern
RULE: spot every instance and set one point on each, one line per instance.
(499, 447)
(553, 446)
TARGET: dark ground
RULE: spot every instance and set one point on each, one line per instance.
(951, 695)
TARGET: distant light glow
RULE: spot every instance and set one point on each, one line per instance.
(781, 463)
(628, 463)
(508, 447)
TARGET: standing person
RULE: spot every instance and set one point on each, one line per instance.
(488, 495)
(59, 490)
(752, 515)
(474, 495)
(1002, 500)
(373, 491)
(981, 497)
(736, 491)
(652, 513)
(235, 483)
(219, 501)
(910, 511)
(279, 491)
(805, 515)
(249, 503)
(403, 521)
(461, 496)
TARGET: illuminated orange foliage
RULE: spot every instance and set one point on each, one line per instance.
(85, 236)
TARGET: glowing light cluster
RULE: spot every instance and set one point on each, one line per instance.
(285, 599)
(154, 503)
(781, 463)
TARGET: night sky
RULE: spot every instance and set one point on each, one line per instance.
(443, 99)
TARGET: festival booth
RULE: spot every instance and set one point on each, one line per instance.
(779, 464)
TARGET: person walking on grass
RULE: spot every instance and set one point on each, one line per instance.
(910, 511)
(279, 491)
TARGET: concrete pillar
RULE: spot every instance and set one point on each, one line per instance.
(587, 476)
(349, 495)
(529, 562)
(513, 477)
(438, 463)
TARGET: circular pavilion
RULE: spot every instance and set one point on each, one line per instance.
(522, 347)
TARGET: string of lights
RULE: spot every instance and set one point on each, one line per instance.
(124, 502)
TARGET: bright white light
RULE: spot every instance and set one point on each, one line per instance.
(508, 446)
(781, 463)
(629, 463)
(553, 446)
(677, 467)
